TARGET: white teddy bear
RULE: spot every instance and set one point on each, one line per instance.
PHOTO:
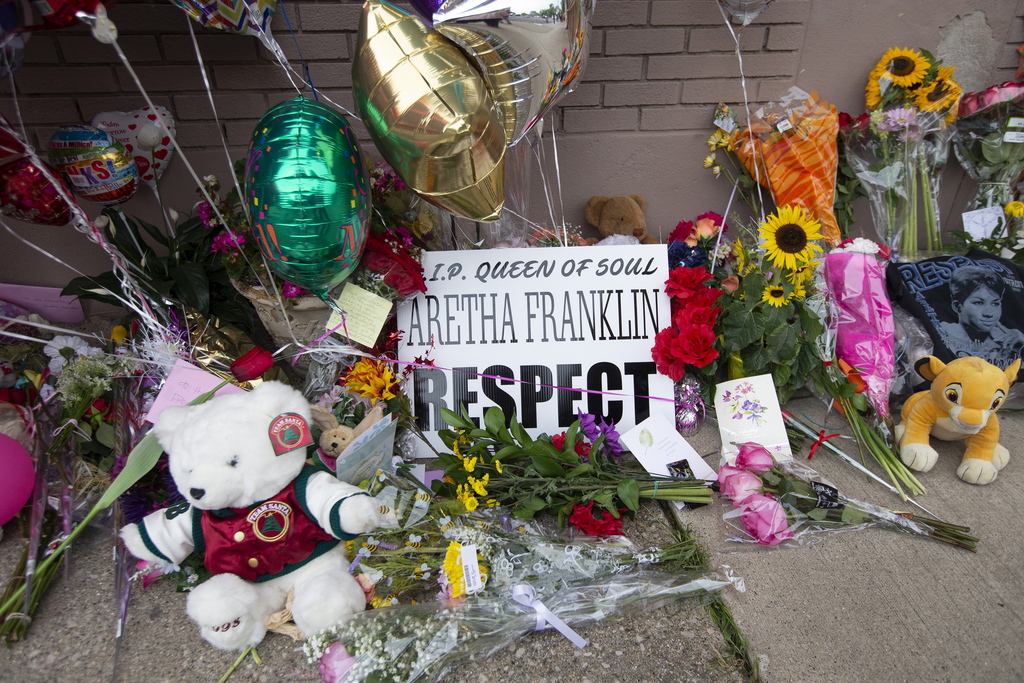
(266, 522)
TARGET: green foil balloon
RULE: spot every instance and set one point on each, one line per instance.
(308, 192)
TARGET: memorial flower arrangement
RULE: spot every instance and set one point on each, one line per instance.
(749, 316)
(989, 141)
(499, 464)
(912, 100)
(775, 500)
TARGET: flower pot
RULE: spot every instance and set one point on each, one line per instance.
(303, 319)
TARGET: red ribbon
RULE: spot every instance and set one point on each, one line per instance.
(822, 438)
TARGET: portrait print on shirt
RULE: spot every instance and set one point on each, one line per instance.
(971, 305)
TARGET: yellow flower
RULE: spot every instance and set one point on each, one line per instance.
(497, 466)
(709, 160)
(464, 495)
(1015, 209)
(942, 93)
(372, 379)
(479, 484)
(903, 66)
(118, 334)
(775, 296)
(798, 292)
(716, 169)
(800, 275)
(491, 503)
(469, 464)
(873, 93)
(788, 236)
(718, 140)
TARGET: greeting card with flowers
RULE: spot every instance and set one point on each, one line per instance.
(748, 410)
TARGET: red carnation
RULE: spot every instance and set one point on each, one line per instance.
(582, 518)
(682, 231)
(683, 282)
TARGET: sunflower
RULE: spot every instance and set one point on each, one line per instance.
(942, 93)
(873, 93)
(798, 292)
(775, 295)
(788, 236)
(800, 275)
(903, 66)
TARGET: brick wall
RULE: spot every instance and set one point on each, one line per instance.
(637, 122)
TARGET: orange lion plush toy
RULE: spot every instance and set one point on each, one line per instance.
(960, 405)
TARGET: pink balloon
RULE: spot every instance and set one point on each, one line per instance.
(17, 480)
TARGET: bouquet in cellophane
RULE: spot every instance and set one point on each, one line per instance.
(777, 499)
(989, 141)
(902, 146)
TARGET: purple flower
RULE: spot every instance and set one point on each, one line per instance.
(205, 212)
(903, 118)
(227, 243)
(291, 291)
(594, 430)
(588, 425)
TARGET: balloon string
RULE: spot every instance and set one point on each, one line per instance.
(755, 150)
(558, 182)
(539, 153)
(305, 67)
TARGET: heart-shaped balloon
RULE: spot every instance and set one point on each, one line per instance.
(530, 60)
(96, 166)
(28, 195)
(143, 137)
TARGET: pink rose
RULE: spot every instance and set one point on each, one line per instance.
(731, 283)
(335, 663)
(739, 486)
(754, 458)
(764, 519)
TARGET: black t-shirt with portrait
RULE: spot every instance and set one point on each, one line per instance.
(971, 305)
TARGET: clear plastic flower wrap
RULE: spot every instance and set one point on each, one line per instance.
(423, 642)
(989, 141)
(782, 501)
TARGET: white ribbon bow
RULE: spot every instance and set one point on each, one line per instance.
(525, 596)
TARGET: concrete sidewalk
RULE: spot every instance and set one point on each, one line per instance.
(870, 606)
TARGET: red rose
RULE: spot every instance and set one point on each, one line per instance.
(684, 282)
(252, 364)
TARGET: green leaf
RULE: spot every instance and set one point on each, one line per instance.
(157, 235)
(192, 286)
(629, 492)
(494, 421)
(523, 513)
(535, 503)
(604, 499)
(781, 343)
(547, 467)
(102, 287)
(520, 433)
(105, 435)
(570, 438)
(818, 514)
(577, 471)
(453, 419)
(740, 330)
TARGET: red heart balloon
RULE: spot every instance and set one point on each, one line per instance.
(27, 195)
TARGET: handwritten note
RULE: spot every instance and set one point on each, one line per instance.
(44, 301)
(365, 314)
(982, 223)
(657, 446)
(185, 383)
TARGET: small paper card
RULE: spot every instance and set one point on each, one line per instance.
(371, 451)
(44, 301)
(471, 569)
(725, 118)
(185, 383)
(661, 450)
(748, 410)
(365, 314)
(980, 224)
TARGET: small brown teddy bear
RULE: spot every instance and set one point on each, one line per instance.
(334, 437)
(620, 215)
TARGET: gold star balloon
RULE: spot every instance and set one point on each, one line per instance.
(429, 112)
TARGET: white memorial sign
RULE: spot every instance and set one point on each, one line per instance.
(541, 333)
